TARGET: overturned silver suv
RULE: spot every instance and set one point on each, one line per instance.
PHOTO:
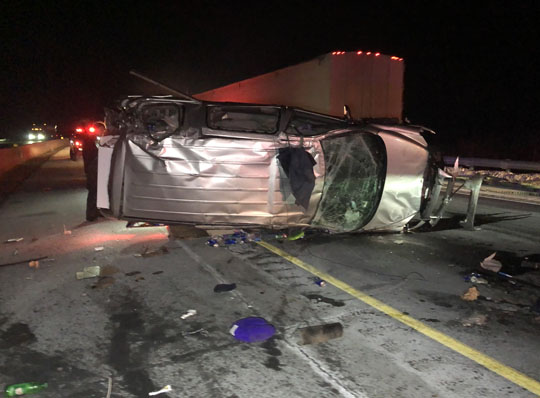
(182, 161)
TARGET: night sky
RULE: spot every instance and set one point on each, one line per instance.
(472, 72)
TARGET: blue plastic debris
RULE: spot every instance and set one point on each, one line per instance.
(252, 330)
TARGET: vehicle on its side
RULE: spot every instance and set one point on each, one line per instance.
(186, 161)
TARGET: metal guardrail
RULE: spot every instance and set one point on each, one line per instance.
(493, 163)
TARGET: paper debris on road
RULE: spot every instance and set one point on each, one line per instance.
(165, 389)
(471, 294)
(491, 264)
(188, 314)
(14, 240)
(98, 249)
(89, 272)
(66, 231)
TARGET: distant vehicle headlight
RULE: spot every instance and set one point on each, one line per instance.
(31, 136)
(40, 136)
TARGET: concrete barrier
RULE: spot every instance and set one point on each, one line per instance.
(11, 157)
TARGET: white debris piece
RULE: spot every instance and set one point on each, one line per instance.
(491, 264)
(89, 272)
(165, 389)
(188, 314)
(13, 240)
(98, 249)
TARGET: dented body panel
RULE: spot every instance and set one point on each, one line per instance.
(218, 164)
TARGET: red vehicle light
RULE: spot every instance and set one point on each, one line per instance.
(91, 129)
(77, 143)
(79, 130)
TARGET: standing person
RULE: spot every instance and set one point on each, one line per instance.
(90, 158)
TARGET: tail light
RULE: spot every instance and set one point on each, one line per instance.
(78, 143)
(91, 129)
(79, 130)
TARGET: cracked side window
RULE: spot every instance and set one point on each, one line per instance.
(354, 181)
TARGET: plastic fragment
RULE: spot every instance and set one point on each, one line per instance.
(66, 231)
(224, 287)
(98, 249)
(297, 236)
(475, 278)
(165, 389)
(320, 282)
(252, 329)
(33, 264)
(188, 314)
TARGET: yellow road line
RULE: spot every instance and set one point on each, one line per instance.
(492, 364)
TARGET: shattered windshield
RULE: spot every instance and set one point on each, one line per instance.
(308, 124)
(253, 119)
(355, 174)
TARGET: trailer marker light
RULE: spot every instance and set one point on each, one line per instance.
(377, 54)
(359, 53)
(368, 53)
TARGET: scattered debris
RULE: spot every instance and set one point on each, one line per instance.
(475, 319)
(491, 264)
(157, 272)
(398, 242)
(471, 294)
(132, 273)
(320, 333)
(188, 314)
(33, 264)
(165, 389)
(237, 237)
(27, 261)
(15, 390)
(14, 240)
(318, 281)
(139, 278)
(299, 235)
(224, 287)
(66, 231)
(99, 249)
(89, 272)
(475, 278)
(252, 329)
(15, 252)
